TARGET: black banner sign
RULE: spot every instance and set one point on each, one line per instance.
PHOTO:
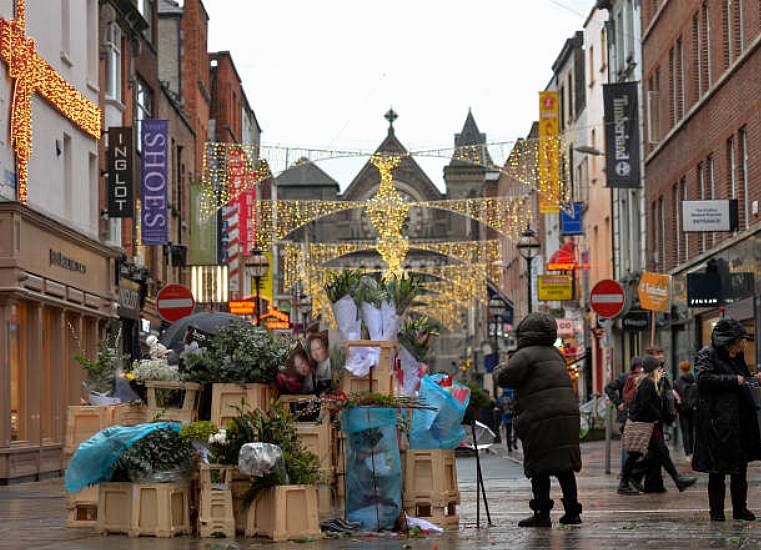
(704, 290)
(621, 135)
(119, 165)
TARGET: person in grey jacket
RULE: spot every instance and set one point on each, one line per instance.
(547, 418)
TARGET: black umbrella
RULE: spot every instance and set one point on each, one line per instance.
(209, 323)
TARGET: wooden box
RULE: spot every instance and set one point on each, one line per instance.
(430, 476)
(382, 375)
(215, 513)
(160, 509)
(127, 414)
(83, 422)
(82, 508)
(285, 512)
(227, 398)
(317, 437)
(114, 508)
(159, 411)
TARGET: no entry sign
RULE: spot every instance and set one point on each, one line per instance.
(608, 298)
(174, 302)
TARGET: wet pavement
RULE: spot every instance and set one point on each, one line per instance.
(32, 516)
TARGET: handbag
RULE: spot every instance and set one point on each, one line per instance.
(637, 436)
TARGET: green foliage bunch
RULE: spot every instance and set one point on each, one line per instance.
(342, 283)
(416, 334)
(161, 451)
(402, 291)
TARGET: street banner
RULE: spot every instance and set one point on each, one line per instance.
(553, 288)
(120, 170)
(621, 135)
(154, 220)
(710, 216)
(654, 292)
(203, 231)
(549, 152)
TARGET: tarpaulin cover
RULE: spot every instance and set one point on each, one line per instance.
(95, 458)
(440, 428)
(373, 467)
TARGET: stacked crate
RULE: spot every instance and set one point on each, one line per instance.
(226, 399)
(185, 413)
(318, 437)
(215, 513)
(430, 486)
(381, 377)
(144, 509)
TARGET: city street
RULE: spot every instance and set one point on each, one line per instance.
(32, 516)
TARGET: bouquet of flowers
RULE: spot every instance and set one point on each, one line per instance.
(341, 288)
(415, 339)
(156, 366)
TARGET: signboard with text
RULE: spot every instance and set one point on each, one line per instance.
(555, 288)
(710, 216)
(571, 223)
(154, 183)
(621, 135)
(119, 169)
(654, 292)
(549, 149)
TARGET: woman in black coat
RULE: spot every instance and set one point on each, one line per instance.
(547, 417)
(726, 427)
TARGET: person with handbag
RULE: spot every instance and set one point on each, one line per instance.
(643, 432)
(727, 434)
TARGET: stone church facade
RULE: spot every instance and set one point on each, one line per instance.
(307, 181)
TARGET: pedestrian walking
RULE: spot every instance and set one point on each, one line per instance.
(687, 389)
(621, 392)
(726, 427)
(643, 431)
(546, 420)
(506, 406)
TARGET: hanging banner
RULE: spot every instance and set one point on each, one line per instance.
(203, 231)
(154, 218)
(549, 150)
(553, 288)
(119, 167)
(654, 292)
(621, 135)
(571, 223)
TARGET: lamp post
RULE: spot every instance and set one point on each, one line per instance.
(257, 265)
(528, 247)
(496, 306)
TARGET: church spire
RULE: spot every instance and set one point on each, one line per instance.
(391, 116)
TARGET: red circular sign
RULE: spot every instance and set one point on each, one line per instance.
(608, 298)
(174, 302)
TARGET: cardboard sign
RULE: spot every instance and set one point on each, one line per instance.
(654, 292)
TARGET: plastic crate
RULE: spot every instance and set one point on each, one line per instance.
(318, 437)
(285, 512)
(215, 512)
(227, 398)
(82, 508)
(160, 509)
(430, 476)
(83, 422)
(186, 413)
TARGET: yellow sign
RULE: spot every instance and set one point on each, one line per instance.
(555, 288)
(242, 307)
(266, 285)
(654, 291)
(549, 152)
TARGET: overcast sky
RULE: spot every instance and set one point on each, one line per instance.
(323, 73)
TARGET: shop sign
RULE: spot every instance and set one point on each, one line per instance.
(566, 327)
(571, 223)
(276, 319)
(654, 292)
(564, 258)
(154, 218)
(711, 215)
(129, 299)
(703, 289)
(242, 307)
(61, 260)
(549, 151)
(621, 135)
(121, 199)
(555, 288)
(636, 320)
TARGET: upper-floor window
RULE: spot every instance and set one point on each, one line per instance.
(145, 7)
(603, 48)
(113, 47)
(591, 64)
(144, 108)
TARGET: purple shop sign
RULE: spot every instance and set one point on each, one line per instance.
(154, 219)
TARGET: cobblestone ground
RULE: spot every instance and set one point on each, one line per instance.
(32, 516)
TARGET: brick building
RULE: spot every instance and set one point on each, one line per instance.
(701, 63)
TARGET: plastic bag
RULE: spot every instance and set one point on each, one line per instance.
(261, 459)
(410, 372)
(95, 458)
(440, 428)
(373, 467)
(350, 327)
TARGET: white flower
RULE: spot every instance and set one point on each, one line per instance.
(220, 437)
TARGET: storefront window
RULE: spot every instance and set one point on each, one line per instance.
(47, 401)
(18, 354)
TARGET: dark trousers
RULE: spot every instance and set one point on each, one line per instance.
(688, 431)
(509, 436)
(540, 486)
(738, 486)
(657, 456)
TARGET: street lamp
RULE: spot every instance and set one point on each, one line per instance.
(528, 247)
(257, 265)
(496, 306)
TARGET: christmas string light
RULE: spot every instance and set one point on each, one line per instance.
(506, 215)
(31, 75)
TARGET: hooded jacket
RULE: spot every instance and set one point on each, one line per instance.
(547, 415)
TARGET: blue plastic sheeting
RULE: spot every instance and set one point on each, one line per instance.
(95, 458)
(440, 428)
(373, 467)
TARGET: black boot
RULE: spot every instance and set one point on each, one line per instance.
(625, 488)
(739, 491)
(682, 482)
(572, 511)
(716, 492)
(541, 517)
